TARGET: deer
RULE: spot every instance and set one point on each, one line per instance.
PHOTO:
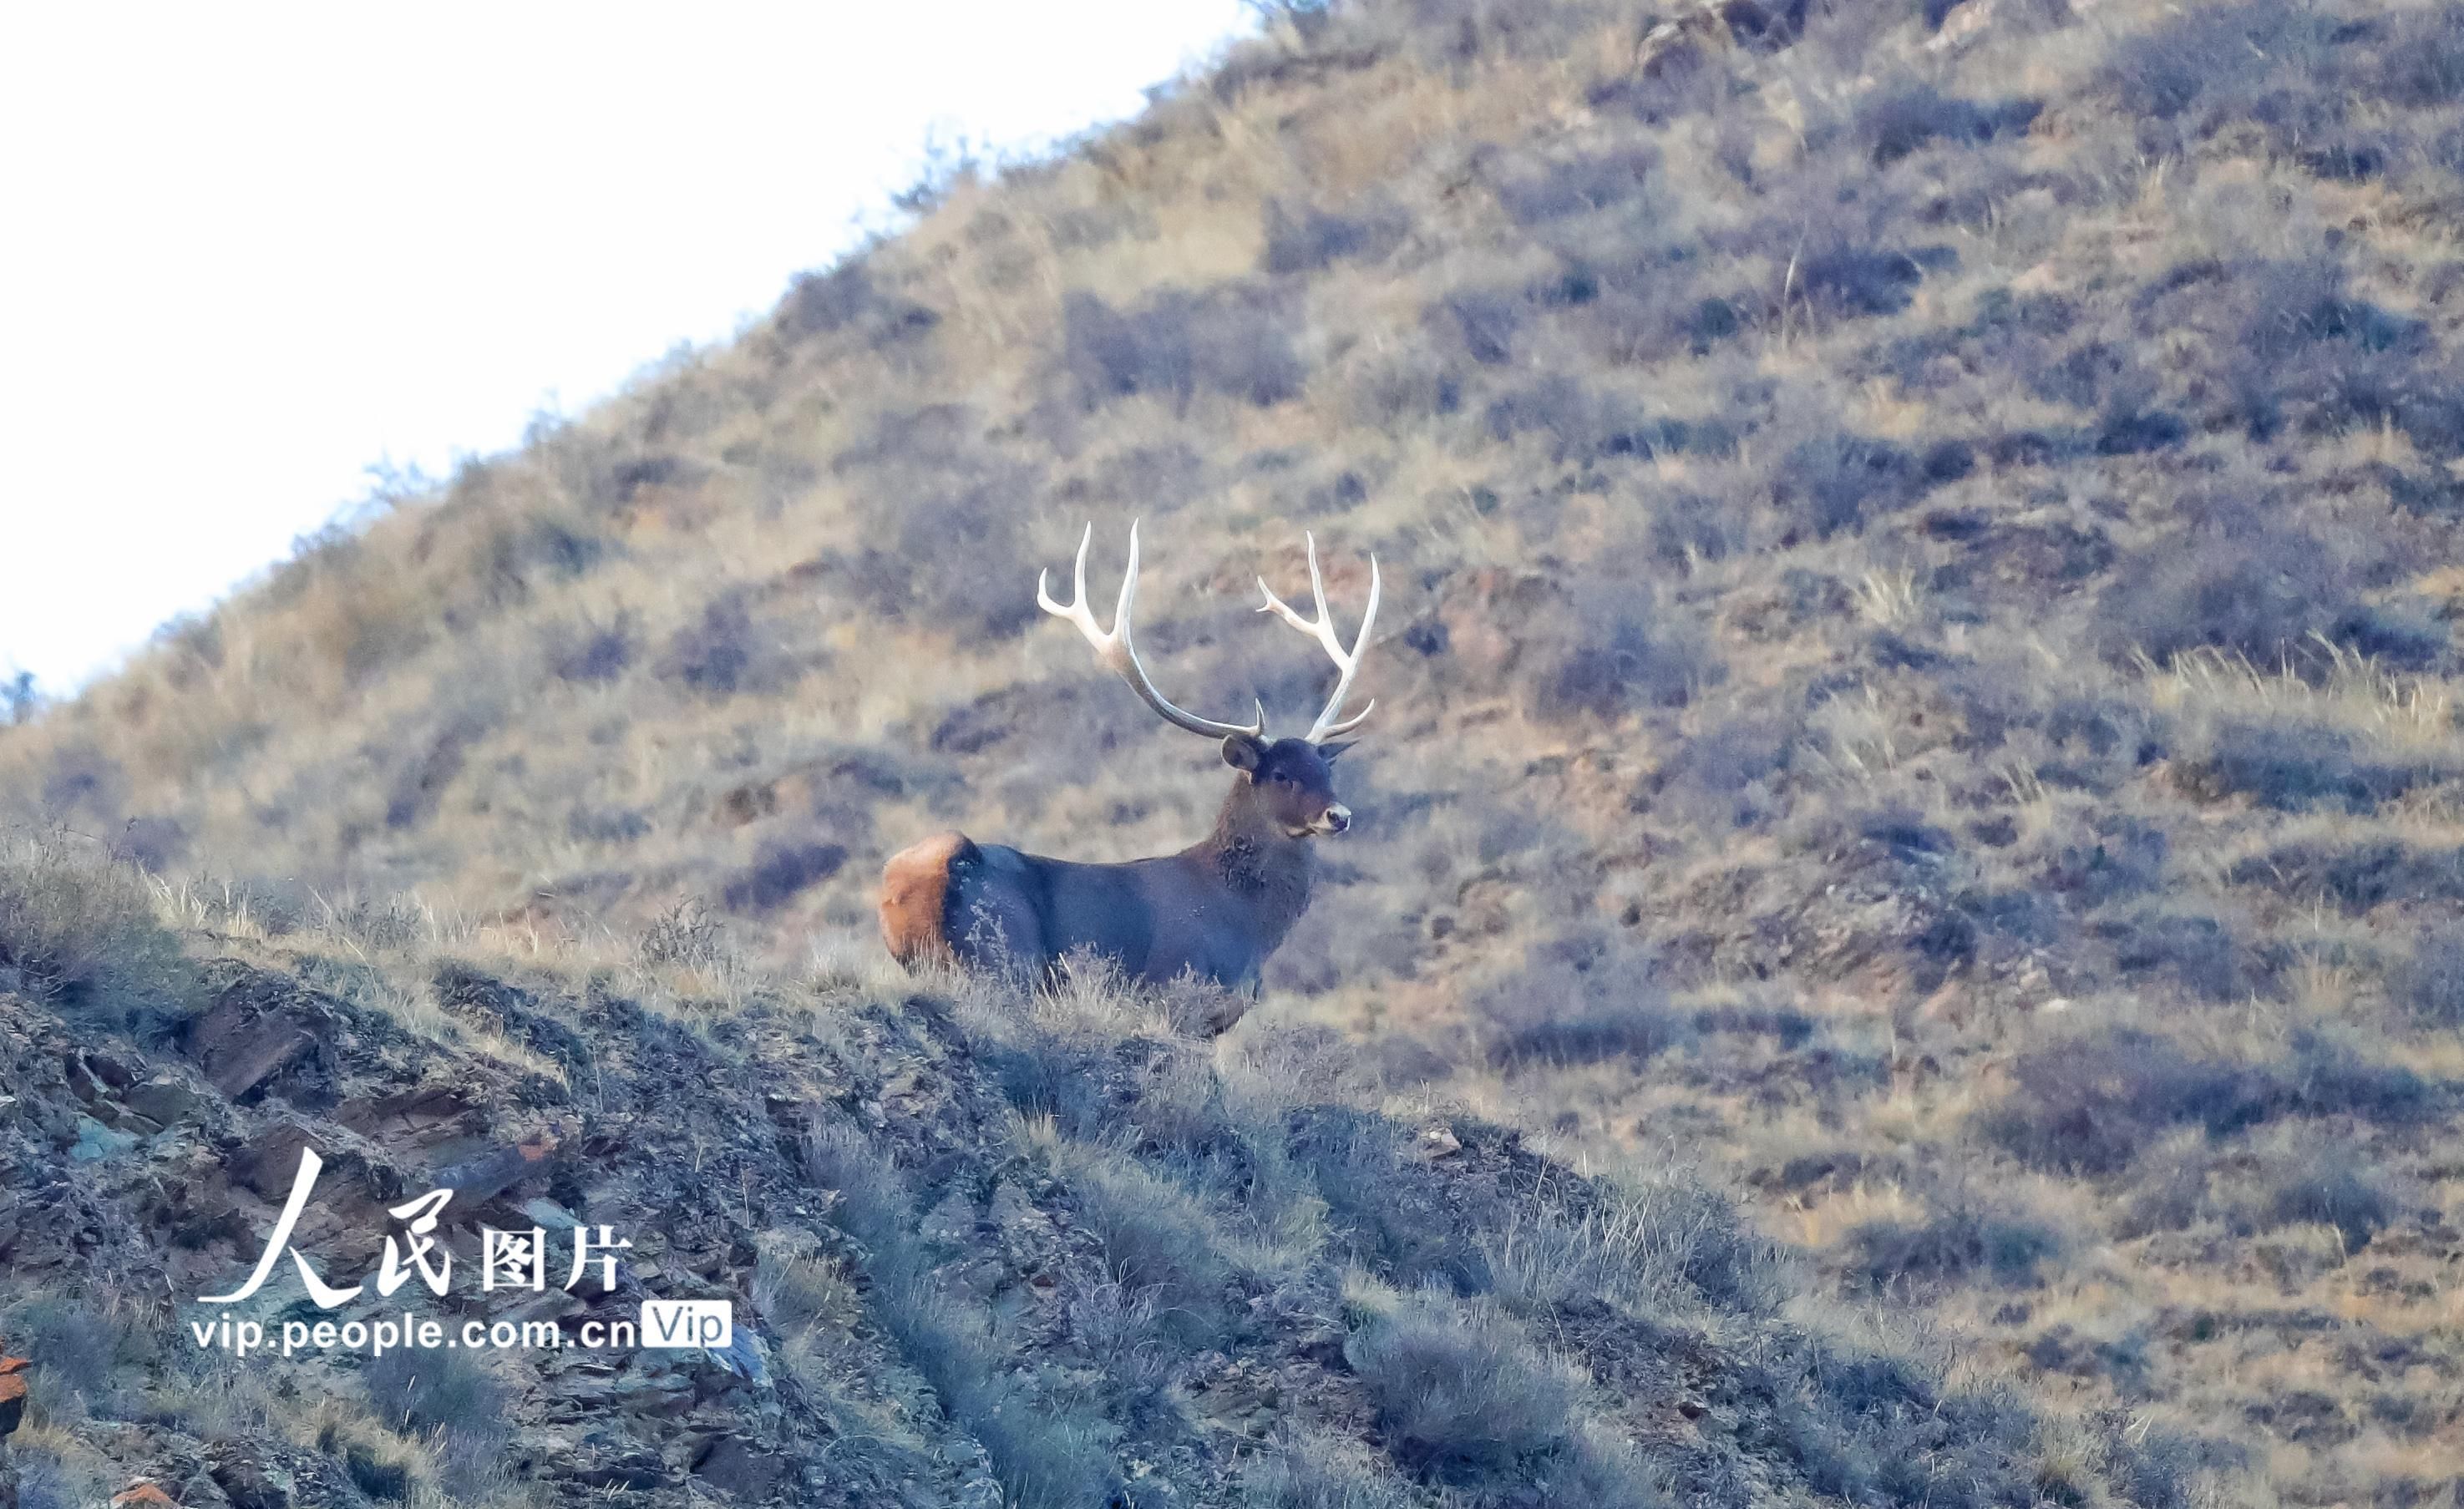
(1215, 909)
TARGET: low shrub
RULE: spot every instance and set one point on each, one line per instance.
(1312, 1471)
(1230, 341)
(82, 783)
(2091, 1105)
(48, 1482)
(1127, 1339)
(1578, 186)
(1487, 324)
(2195, 952)
(716, 653)
(2324, 1075)
(1460, 1395)
(414, 1391)
(1896, 122)
(76, 1346)
(1963, 1236)
(1647, 1247)
(2323, 1189)
(1157, 1240)
(1585, 425)
(588, 651)
(1611, 651)
(2243, 582)
(1835, 482)
(1391, 1213)
(1551, 1012)
(783, 871)
(1691, 528)
(2430, 982)
(2294, 767)
(685, 933)
(1309, 239)
(450, 1396)
(2421, 62)
(77, 928)
(1848, 279)
(2212, 58)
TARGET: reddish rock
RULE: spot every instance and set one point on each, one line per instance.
(417, 1117)
(489, 1175)
(12, 1392)
(143, 1494)
(246, 1041)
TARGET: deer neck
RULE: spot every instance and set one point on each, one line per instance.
(1258, 862)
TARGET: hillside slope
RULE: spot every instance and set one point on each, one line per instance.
(1919, 659)
(979, 1251)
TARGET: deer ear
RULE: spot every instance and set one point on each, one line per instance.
(1328, 751)
(1243, 752)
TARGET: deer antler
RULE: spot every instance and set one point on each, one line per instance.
(1115, 650)
(1323, 631)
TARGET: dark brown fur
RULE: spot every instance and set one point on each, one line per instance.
(1215, 909)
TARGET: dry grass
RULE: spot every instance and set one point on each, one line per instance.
(78, 927)
(2043, 630)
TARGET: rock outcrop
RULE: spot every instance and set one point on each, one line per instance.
(974, 1253)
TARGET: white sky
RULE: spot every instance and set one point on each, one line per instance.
(247, 251)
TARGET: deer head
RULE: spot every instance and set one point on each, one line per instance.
(1290, 780)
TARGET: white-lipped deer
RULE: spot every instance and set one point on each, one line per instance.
(1217, 909)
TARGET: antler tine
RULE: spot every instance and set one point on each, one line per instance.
(1347, 663)
(1076, 612)
(1117, 650)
